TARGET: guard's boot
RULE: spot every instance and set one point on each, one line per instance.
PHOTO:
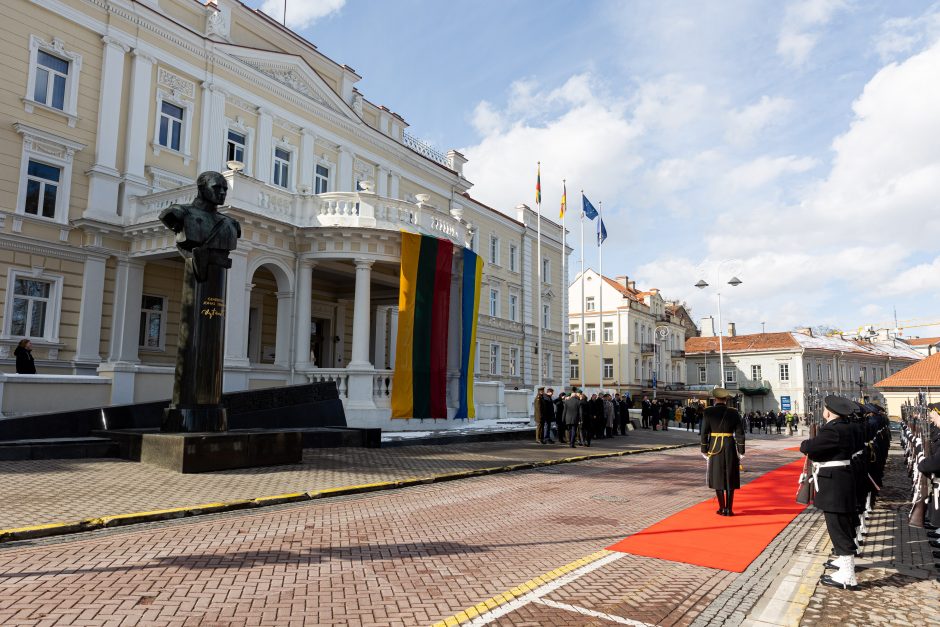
(721, 502)
(844, 577)
(729, 511)
(835, 563)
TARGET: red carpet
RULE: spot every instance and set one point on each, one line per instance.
(699, 536)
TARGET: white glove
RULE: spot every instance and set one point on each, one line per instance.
(704, 456)
(740, 456)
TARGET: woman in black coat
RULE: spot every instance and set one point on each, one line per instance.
(723, 446)
(24, 358)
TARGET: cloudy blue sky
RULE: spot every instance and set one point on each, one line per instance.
(799, 138)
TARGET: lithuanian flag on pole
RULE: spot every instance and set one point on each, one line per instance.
(419, 388)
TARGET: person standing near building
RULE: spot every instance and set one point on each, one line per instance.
(537, 409)
(548, 416)
(571, 416)
(24, 357)
(831, 453)
(560, 418)
(722, 443)
(646, 412)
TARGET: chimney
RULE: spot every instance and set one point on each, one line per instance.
(731, 330)
(623, 281)
(631, 285)
(805, 331)
(708, 326)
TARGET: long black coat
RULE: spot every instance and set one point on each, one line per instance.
(931, 466)
(724, 472)
(24, 361)
(834, 441)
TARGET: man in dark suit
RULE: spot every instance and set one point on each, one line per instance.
(831, 453)
(646, 412)
(571, 416)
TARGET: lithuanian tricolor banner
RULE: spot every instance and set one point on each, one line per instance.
(419, 388)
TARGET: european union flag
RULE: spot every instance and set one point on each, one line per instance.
(601, 232)
(588, 208)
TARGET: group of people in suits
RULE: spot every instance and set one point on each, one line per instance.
(579, 419)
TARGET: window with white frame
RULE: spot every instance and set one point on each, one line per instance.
(235, 144)
(170, 133)
(546, 316)
(636, 332)
(53, 78)
(809, 371)
(513, 307)
(45, 173)
(32, 310)
(512, 258)
(589, 304)
(321, 179)
(608, 332)
(152, 333)
(494, 303)
(513, 362)
(494, 359)
(636, 370)
(282, 159)
(575, 330)
(608, 368)
(731, 375)
(547, 366)
(546, 270)
(494, 250)
(755, 373)
(819, 372)
(574, 369)
(784, 372)
(590, 333)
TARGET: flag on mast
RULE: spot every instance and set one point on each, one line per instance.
(601, 232)
(587, 208)
(538, 184)
(564, 201)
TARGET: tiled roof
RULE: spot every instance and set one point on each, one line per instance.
(626, 291)
(794, 340)
(923, 341)
(924, 373)
(742, 343)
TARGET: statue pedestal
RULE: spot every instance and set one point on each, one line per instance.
(208, 452)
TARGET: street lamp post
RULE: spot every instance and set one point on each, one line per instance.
(734, 282)
(659, 334)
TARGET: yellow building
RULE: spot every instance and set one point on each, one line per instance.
(110, 110)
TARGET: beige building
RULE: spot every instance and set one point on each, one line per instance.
(110, 108)
(903, 386)
(641, 335)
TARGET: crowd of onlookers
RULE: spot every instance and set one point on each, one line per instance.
(578, 419)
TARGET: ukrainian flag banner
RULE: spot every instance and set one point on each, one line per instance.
(419, 388)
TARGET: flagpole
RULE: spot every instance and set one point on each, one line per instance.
(583, 369)
(538, 313)
(565, 375)
(600, 299)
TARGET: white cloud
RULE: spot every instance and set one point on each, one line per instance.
(764, 170)
(302, 13)
(800, 31)
(922, 278)
(902, 36)
(746, 124)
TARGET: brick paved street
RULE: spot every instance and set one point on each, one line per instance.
(419, 555)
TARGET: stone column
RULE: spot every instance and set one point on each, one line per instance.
(212, 138)
(89, 317)
(344, 171)
(103, 178)
(393, 340)
(125, 330)
(238, 291)
(361, 308)
(380, 341)
(264, 149)
(454, 339)
(285, 311)
(381, 183)
(302, 334)
(138, 132)
(308, 160)
(393, 188)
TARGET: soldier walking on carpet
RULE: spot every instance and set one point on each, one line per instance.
(723, 448)
(831, 453)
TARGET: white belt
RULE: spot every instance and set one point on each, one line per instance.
(832, 464)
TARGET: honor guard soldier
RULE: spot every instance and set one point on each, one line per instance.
(723, 448)
(831, 453)
(930, 467)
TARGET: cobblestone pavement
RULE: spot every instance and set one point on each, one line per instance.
(405, 557)
(899, 585)
(61, 490)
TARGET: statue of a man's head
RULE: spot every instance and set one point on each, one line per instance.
(212, 188)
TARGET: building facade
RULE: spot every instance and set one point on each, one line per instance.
(110, 110)
(904, 386)
(780, 370)
(642, 336)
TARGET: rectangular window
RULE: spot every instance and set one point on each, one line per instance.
(784, 372)
(589, 304)
(51, 76)
(574, 369)
(547, 366)
(546, 271)
(42, 188)
(731, 375)
(575, 330)
(546, 316)
(171, 125)
(809, 371)
(282, 168)
(702, 374)
(235, 146)
(494, 250)
(590, 333)
(608, 331)
(636, 369)
(494, 303)
(321, 180)
(755, 373)
(864, 375)
(494, 359)
(636, 332)
(152, 312)
(31, 299)
(513, 362)
(512, 257)
(608, 368)
(513, 302)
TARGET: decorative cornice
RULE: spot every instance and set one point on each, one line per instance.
(33, 246)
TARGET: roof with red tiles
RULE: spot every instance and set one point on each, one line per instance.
(923, 341)
(742, 343)
(924, 373)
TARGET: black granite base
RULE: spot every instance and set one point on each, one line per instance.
(207, 452)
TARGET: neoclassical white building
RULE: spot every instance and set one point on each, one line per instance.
(110, 110)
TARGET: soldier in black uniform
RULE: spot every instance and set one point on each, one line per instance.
(931, 467)
(831, 453)
(723, 447)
